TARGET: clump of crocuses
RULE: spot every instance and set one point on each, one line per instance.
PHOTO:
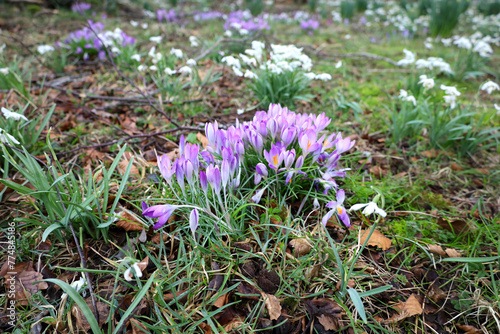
(279, 151)
(92, 41)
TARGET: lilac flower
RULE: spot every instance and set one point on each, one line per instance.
(159, 211)
(193, 220)
(337, 207)
(256, 198)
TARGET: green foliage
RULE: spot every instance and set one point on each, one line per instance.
(255, 6)
(489, 7)
(361, 5)
(347, 9)
(313, 4)
(285, 88)
(13, 81)
(342, 104)
(400, 127)
(469, 65)
(445, 15)
(63, 198)
(424, 7)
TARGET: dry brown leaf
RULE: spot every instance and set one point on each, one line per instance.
(328, 322)
(452, 252)
(123, 164)
(377, 239)
(378, 171)
(432, 153)
(203, 140)
(407, 309)
(273, 305)
(23, 282)
(138, 327)
(81, 321)
(300, 247)
(205, 328)
(129, 221)
(468, 329)
(436, 249)
(221, 301)
(142, 265)
(458, 226)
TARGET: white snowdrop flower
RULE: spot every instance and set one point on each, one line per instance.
(422, 63)
(446, 41)
(43, 49)
(115, 50)
(240, 111)
(231, 61)
(369, 208)
(450, 90)
(489, 87)
(428, 43)
(194, 41)
(177, 52)
(403, 94)
(338, 64)
(144, 26)
(464, 43)
(169, 71)
(153, 68)
(347, 36)
(7, 138)
(156, 39)
(243, 32)
(411, 99)
(152, 52)
(142, 68)
(249, 74)
(336, 17)
(237, 71)
(14, 115)
(77, 285)
(228, 33)
(191, 62)
(451, 100)
(427, 83)
(323, 77)
(134, 23)
(137, 271)
(4, 70)
(248, 60)
(408, 59)
(185, 70)
(483, 48)
(497, 107)
(310, 75)
(136, 57)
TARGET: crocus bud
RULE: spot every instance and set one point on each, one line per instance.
(203, 182)
(193, 220)
(256, 198)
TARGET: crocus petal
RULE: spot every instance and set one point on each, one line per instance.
(344, 217)
(325, 219)
(193, 220)
(256, 198)
(340, 196)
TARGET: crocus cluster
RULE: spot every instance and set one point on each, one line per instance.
(243, 22)
(166, 15)
(309, 25)
(278, 148)
(205, 16)
(80, 7)
(86, 44)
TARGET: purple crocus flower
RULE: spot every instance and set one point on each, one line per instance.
(336, 207)
(166, 169)
(307, 142)
(274, 157)
(260, 172)
(204, 182)
(214, 178)
(159, 211)
(193, 220)
(343, 145)
(225, 172)
(258, 195)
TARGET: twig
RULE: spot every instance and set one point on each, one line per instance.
(147, 135)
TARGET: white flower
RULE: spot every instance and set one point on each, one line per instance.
(237, 71)
(369, 209)
(483, 48)
(142, 68)
(14, 115)
(185, 70)
(4, 70)
(403, 94)
(137, 271)
(248, 60)
(411, 99)
(43, 49)
(347, 36)
(228, 33)
(249, 74)
(338, 64)
(77, 285)
(316, 204)
(408, 59)
(428, 83)
(463, 42)
(490, 86)
(144, 26)
(446, 41)
(191, 62)
(310, 75)
(177, 52)
(6, 138)
(194, 41)
(450, 90)
(428, 45)
(134, 23)
(451, 100)
(323, 77)
(231, 61)
(497, 107)
(243, 32)
(256, 198)
(240, 111)
(169, 71)
(153, 68)
(136, 57)
(156, 39)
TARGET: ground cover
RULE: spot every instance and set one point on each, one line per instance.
(150, 183)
